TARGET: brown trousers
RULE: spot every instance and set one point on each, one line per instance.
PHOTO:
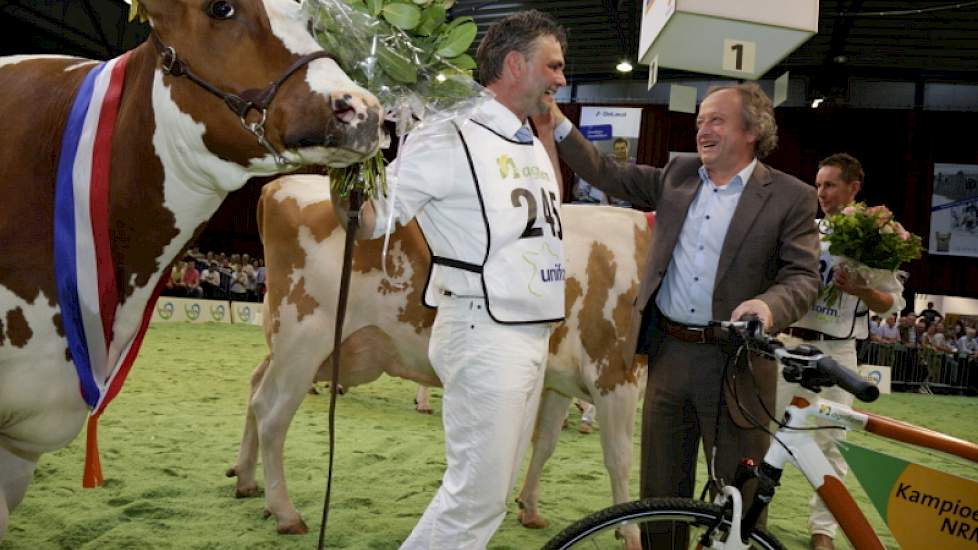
(682, 397)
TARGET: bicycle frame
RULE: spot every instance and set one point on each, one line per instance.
(799, 447)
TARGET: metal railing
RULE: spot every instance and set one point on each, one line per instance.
(925, 370)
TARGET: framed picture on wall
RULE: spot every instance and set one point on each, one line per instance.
(954, 210)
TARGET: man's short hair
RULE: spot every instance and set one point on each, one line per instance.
(850, 168)
(619, 140)
(758, 114)
(518, 32)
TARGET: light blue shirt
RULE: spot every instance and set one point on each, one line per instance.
(686, 294)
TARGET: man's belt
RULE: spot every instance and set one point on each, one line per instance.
(809, 334)
(692, 334)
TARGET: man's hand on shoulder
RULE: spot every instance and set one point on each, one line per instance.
(754, 307)
(545, 123)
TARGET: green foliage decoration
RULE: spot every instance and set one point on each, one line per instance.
(408, 54)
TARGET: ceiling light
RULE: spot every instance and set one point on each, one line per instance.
(817, 101)
(624, 67)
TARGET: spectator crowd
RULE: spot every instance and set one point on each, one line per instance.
(943, 352)
(217, 276)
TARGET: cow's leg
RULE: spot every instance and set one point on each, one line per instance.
(244, 468)
(16, 472)
(616, 409)
(282, 389)
(550, 418)
(422, 400)
(273, 405)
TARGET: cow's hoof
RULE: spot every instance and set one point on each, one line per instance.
(584, 428)
(248, 492)
(424, 410)
(295, 527)
(231, 472)
(532, 521)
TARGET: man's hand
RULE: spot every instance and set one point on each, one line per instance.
(546, 123)
(367, 216)
(850, 282)
(754, 307)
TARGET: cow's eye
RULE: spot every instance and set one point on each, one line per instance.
(220, 9)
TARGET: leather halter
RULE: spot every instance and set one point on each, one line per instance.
(240, 104)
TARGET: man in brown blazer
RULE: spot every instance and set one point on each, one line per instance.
(732, 237)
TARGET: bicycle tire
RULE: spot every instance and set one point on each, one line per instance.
(582, 533)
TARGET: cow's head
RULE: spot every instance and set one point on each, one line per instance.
(241, 47)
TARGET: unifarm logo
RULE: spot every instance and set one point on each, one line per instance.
(545, 268)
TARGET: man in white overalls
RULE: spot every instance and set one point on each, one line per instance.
(485, 194)
(833, 326)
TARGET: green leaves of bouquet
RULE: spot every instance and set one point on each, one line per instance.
(402, 51)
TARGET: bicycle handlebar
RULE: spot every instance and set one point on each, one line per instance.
(846, 379)
(812, 368)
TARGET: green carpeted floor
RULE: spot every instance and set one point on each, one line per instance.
(168, 438)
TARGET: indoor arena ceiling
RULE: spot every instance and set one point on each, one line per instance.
(886, 39)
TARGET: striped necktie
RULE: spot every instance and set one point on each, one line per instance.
(524, 135)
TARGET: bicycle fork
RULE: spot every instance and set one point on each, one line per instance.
(742, 524)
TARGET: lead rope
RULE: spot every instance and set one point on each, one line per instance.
(353, 223)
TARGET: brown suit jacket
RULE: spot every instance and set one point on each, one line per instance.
(771, 249)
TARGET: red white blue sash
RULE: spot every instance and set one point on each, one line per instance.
(84, 268)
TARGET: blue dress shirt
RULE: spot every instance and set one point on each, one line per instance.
(686, 293)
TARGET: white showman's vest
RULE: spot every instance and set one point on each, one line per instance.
(523, 270)
(844, 317)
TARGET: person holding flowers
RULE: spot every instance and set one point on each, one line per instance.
(486, 196)
(861, 250)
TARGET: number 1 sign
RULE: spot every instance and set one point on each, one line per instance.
(742, 39)
(739, 56)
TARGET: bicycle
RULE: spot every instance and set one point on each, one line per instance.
(728, 524)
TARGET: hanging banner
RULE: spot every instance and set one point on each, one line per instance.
(614, 131)
(954, 210)
(923, 507)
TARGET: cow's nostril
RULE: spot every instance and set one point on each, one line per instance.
(343, 109)
(345, 115)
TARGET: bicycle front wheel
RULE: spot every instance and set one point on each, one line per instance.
(660, 523)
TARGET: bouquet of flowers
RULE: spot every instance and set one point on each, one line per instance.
(406, 53)
(869, 242)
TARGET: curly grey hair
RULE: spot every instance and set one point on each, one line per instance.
(758, 114)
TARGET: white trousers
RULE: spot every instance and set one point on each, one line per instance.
(492, 376)
(821, 521)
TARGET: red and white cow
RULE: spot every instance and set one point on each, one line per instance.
(176, 152)
(387, 330)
